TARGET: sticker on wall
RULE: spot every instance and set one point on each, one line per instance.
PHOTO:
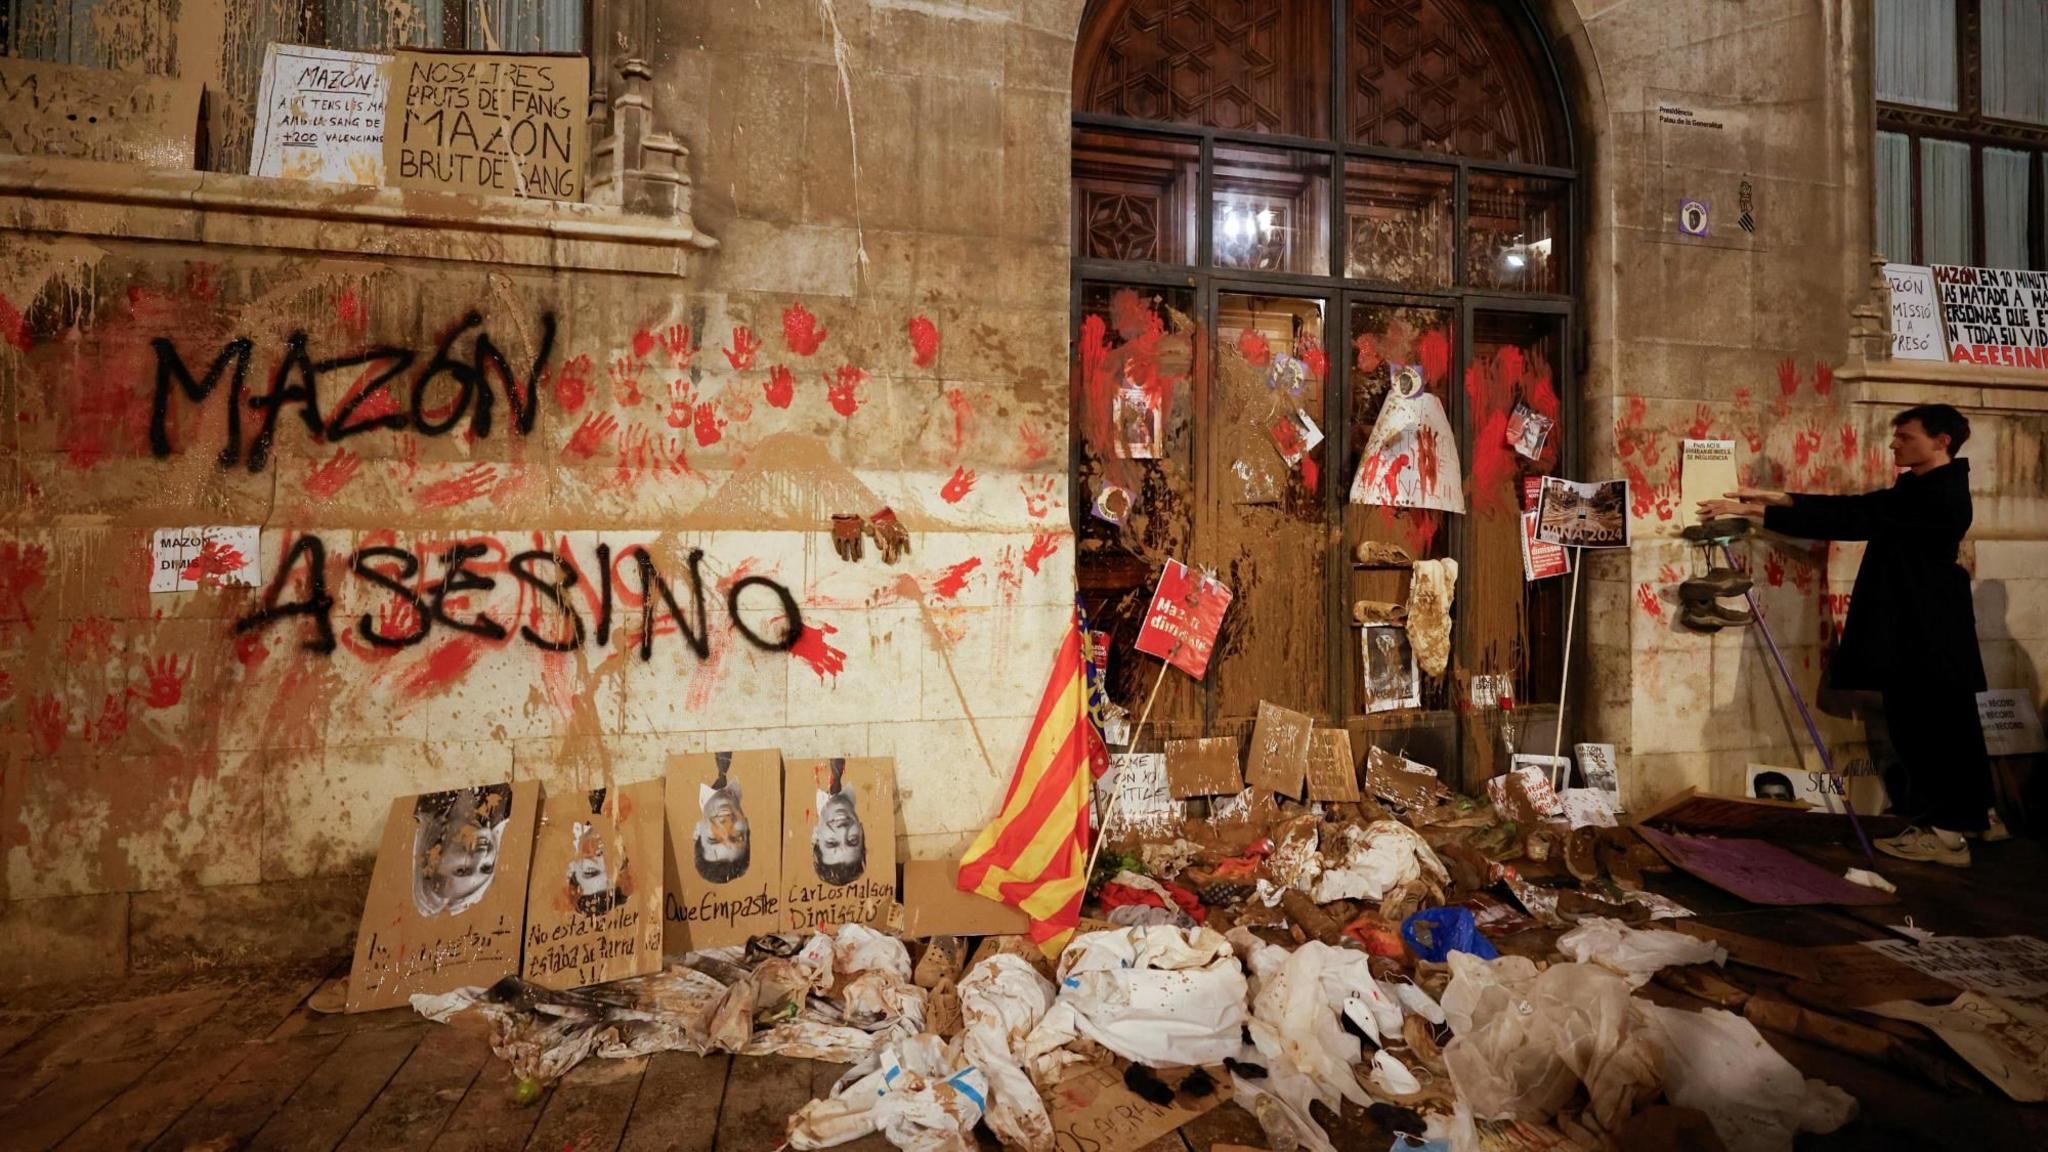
(1693, 217)
(320, 115)
(1411, 461)
(185, 559)
(1112, 505)
(723, 884)
(1745, 199)
(593, 905)
(1541, 559)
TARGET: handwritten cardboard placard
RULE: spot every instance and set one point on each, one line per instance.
(1144, 806)
(1994, 315)
(503, 125)
(593, 903)
(447, 897)
(97, 114)
(723, 885)
(1916, 313)
(1184, 618)
(1332, 773)
(1402, 781)
(838, 840)
(1091, 1109)
(320, 115)
(1278, 758)
(1205, 767)
(185, 559)
(2014, 966)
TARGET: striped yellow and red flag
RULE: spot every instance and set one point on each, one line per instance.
(1033, 855)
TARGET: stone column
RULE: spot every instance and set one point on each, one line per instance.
(635, 166)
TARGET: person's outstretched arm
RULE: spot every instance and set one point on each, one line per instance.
(1805, 515)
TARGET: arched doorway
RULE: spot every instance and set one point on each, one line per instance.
(1258, 252)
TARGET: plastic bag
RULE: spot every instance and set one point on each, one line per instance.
(1002, 999)
(1435, 933)
(1524, 1041)
(1636, 953)
(1378, 858)
(916, 1093)
(1156, 996)
(1719, 1063)
(856, 949)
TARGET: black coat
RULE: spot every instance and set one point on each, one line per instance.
(1910, 615)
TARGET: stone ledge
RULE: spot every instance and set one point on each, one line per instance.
(1891, 382)
(111, 201)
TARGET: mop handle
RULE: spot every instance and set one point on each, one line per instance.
(1827, 760)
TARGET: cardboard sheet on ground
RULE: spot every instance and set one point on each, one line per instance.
(2005, 1040)
(1205, 767)
(320, 115)
(1758, 872)
(594, 903)
(1583, 515)
(496, 123)
(2012, 966)
(1411, 460)
(1707, 472)
(1332, 773)
(102, 114)
(934, 905)
(724, 883)
(838, 840)
(1092, 1110)
(1278, 758)
(447, 898)
(1184, 618)
(1137, 782)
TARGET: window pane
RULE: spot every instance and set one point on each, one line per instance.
(1270, 210)
(1134, 197)
(1916, 52)
(1133, 417)
(526, 25)
(1945, 216)
(1397, 223)
(2006, 198)
(1251, 66)
(1514, 236)
(1447, 76)
(1895, 197)
(378, 26)
(2015, 40)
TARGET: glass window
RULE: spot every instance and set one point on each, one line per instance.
(1397, 223)
(1270, 210)
(1514, 234)
(1945, 235)
(2007, 204)
(1916, 52)
(2014, 35)
(1895, 197)
(1134, 197)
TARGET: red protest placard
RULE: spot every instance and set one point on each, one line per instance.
(1186, 613)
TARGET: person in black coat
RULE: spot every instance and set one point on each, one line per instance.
(1911, 634)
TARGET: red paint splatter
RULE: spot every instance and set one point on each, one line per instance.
(643, 344)
(47, 724)
(250, 649)
(590, 435)
(112, 723)
(957, 487)
(1670, 574)
(1848, 444)
(572, 383)
(780, 387)
(6, 687)
(90, 639)
(166, 682)
(1311, 474)
(1253, 347)
(1742, 399)
(1823, 378)
(812, 648)
(1774, 569)
(1433, 351)
(1491, 490)
(473, 482)
(963, 415)
(924, 341)
(1033, 443)
(1788, 377)
(1753, 434)
(348, 308)
(745, 345)
(1393, 477)
(840, 386)
(14, 326)
(1804, 445)
(678, 343)
(1426, 461)
(21, 573)
(1312, 354)
(1368, 350)
(800, 330)
(1647, 597)
(442, 668)
(949, 585)
(329, 478)
(709, 425)
(1043, 545)
(214, 561)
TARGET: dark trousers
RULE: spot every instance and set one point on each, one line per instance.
(1940, 743)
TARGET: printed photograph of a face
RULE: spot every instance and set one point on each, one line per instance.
(597, 880)
(839, 844)
(456, 836)
(722, 843)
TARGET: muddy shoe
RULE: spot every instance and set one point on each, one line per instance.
(1718, 616)
(1378, 612)
(1698, 622)
(1718, 582)
(1581, 854)
(1382, 554)
(1726, 528)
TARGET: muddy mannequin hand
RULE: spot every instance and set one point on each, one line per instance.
(846, 532)
(889, 535)
(1746, 502)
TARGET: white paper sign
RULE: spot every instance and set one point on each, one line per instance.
(1143, 804)
(1916, 313)
(1587, 807)
(183, 559)
(1596, 770)
(1994, 315)
(320, 115)
(2014, 966)
(2011, 726)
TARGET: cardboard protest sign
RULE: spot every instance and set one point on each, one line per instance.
(1332, 773)
(723, 885)
(1137, 784)
(1707, 472)
(838, 840)
(1402, 781)
(2014, 966)
(1278, 760)
(185, 559)
(82, 113)
(499, 124)
(320, 115)
(1916, 313)
(2006, 1040)
(1583, 515)
(934, 905)
(1206, 767)
(1185, 615)
(2011, 726)
(1091, 1109)
(1596, 770)
(448, 894)
(593, 904)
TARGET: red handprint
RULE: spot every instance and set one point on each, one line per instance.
(633, 453)
(396, 620)
(924, 341)
(572, 383)
(213, 564)
(591, 434)
(1788, 377)
(166, 682)
(471, 483)
(1037, 496)
(113, 721)
(675, 340)
(780, 387)
(625, 382)
(681, 399)
(47, 724)
(643, 345)
(957, 488)
(1848, 444)
(1647, 597)
(1742, 399)
(1033, 443)
(90, 638)
(1253, 347)
(1774, 569)
(840, 386)
(709, 425)
(330, 477)
(1823, 378)
(744, 345)
(800, 330)
(1702, 423)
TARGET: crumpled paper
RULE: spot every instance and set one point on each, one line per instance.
(917, 1092)
(1152, 995)
(1377, 859)
(1635, 953)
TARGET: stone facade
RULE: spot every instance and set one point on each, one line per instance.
(177, 792)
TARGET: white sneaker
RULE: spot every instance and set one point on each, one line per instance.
(1996, 830)
(1920, 844)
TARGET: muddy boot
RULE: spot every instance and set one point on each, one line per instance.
(1714, 531)
(1381, 554)
(1709, 616)
(1717, 583)
(1581, 855)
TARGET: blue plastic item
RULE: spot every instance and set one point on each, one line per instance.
(1434, 933)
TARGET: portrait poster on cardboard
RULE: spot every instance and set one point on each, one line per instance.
(1278, 760)
(447, 900)
(493, 123)
(838, 840)
(1184, 618)
(1583, 515)
(594, 899)
(724, 883)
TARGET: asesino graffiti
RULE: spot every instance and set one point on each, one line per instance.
(387, 392)
(542, 594)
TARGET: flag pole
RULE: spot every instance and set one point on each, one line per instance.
(1109, 810)
(1571, 617)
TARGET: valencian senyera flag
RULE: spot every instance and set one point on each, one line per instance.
(1034, 854)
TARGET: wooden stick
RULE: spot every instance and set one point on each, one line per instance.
(1109, 810)
(1571, 617)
